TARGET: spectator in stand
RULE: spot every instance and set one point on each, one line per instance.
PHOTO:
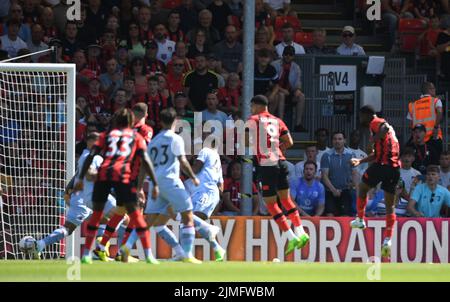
(94, 58)
(199, 82)
(112, 24)
(31, 12)
(129, 87)
(108, 43)
(205, 22)
(338, 177)
(11, 42)
(173, 27)
(16, 15)
(308, 192)
(83, 74)
(165, 47)
(96, 100)
(183, 113)
(426, 153)
(408, 174)
(427, 111)
(120, 100)
(376, 205)
(443, 48)
(214, 67)
(424, 9)
(86, 32)
(232, 195)
(230, 95)
(46, 19)
(319, 44)
(181, 53)
(36, 44)
(355, 140)
(122, 57)
(262, 40)
(163, 90)
(348, 46)
(151, 62)
(155, 102)
(133, 41)
(229, 51)
(310, 155)
(266, 79)
(445, 169)
(137, 71)
(199, 46)
(211, 112)
(96, 17)
(111, 80)
(175, 75)
(188, 15)
(321, 136)
(288, 40)
(428, 198)
(70, 43)
(290, 92)
(222, 15)
(393, 11)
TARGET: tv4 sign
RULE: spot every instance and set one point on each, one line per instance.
(344, 77)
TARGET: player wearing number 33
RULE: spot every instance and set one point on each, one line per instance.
(123, 151)
(385, 169)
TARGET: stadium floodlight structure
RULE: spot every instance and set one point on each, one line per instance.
(37, 152)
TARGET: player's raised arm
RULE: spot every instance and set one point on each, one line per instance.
(187, 169)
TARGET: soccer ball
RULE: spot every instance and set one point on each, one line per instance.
(27, 244)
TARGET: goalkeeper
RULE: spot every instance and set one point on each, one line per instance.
(80, 203)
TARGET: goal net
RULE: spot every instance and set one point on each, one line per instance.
(37, 121)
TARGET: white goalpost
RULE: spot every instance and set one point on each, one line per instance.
(37, 153)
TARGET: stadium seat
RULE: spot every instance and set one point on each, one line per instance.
(304, 38)
(171, 4)
(294, 21)
(409, 31)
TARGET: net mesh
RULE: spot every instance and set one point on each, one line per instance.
(32, 158)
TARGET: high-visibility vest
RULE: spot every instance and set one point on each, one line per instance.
(423, 112)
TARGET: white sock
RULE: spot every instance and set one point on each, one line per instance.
(179, 251)
(299, 231)
(291, 234)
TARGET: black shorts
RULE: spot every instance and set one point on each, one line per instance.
(387, 175)
(125, 193)
(273, 178)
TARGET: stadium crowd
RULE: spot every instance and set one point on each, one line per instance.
(188, 55)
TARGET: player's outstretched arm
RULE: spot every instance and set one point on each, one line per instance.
(187, 169)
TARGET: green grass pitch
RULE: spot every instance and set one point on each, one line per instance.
(48, 270)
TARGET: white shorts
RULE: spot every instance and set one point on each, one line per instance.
(171, 193)
(79, 210)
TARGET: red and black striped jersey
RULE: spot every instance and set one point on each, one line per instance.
(144, 130)
(387, 150)
(121, 150)
(268, 152)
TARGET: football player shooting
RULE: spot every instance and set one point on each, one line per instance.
(385, 169)
(122, 149)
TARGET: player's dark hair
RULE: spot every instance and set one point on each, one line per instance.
(92, 136)
(338, 132)
(168, 116)
(310, 162)
(140, 108)
(260, 100)
(408, 151)
(367, 109)
(122, 118)
(433, 168)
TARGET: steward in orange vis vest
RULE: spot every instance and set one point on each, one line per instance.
(427, 111)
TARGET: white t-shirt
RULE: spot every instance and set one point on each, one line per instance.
(299, 50)
(165, 51)
(12, 47)
(438, 105)
(408, 177)
(277, 4)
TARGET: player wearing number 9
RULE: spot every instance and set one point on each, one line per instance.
(123, 151)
